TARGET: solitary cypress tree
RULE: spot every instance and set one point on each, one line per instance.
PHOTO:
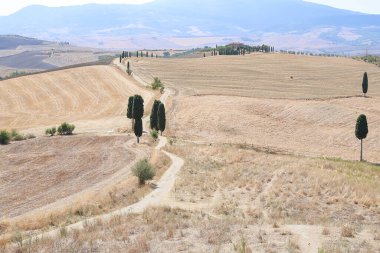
(365, 84)
(361, 132)
(120, 58)
(138, 129)
(138, 107)
(153, 115)
(128, 69)
(161, 117)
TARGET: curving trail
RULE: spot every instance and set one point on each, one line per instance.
(155, 198)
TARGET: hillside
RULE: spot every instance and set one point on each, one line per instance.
(94, 97)
(28, 55)
(162, 24)
(251, 160)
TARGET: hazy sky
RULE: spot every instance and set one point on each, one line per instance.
(8, 7)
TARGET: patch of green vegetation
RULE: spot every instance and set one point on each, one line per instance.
(354, 170)
(157, 85)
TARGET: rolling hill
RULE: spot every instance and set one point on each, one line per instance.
(162, 24)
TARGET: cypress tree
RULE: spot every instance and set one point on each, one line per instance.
(138, 107)
(147, 54)
(120, 58)
(130, 110)
(154, 115)
(138, 129)
(361, 132)
(128, 68)
(204, 54)
(137, 54)
(161, 117)
(365, 84)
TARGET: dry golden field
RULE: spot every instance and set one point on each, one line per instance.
(262, 75)
(95, 98)
(269, 160)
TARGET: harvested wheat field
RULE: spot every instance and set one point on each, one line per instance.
(302, 127)
(262, 75)
(92, 97)
(41, 171)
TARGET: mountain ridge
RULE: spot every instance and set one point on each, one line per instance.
(94, 23)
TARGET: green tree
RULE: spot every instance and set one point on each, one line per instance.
(130, 110)
(153, 115)
(120, 59)
(361, 132)
(138, 129)
(128, 68)
(143, 170)
(365, 84)
(161, 117)
(138, 107)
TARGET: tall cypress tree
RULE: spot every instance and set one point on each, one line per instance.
(120, 59)
(130, 110)
(138, 107)
(128, 68)
(138, 129)
(365, 84)
(154, 115)
(161, 117)
(361, 131)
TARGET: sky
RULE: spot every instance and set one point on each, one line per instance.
(9, 7)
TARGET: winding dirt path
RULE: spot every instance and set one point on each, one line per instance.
(155, 198)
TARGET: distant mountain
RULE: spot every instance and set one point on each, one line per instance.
(288, 24)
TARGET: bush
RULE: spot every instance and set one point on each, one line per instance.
(5, 137)
(143, 170)
(16, 136)
(157, 85)
(154, 134)
(51, 131)
(66, 129)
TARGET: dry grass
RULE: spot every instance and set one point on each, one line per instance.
(262, 75)
(312, 128)
(270, 188)
(89, 200)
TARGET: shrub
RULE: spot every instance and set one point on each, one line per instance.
(66, 129)
(157, 85)
(19, 137)
(51, 131)
(5, 137)
(16, 136)
(154, 134)
(143, 170)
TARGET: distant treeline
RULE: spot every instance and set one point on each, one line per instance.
(240, 49)
(129, 54)
(373, 59)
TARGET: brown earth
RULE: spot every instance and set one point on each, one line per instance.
(40, 171)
